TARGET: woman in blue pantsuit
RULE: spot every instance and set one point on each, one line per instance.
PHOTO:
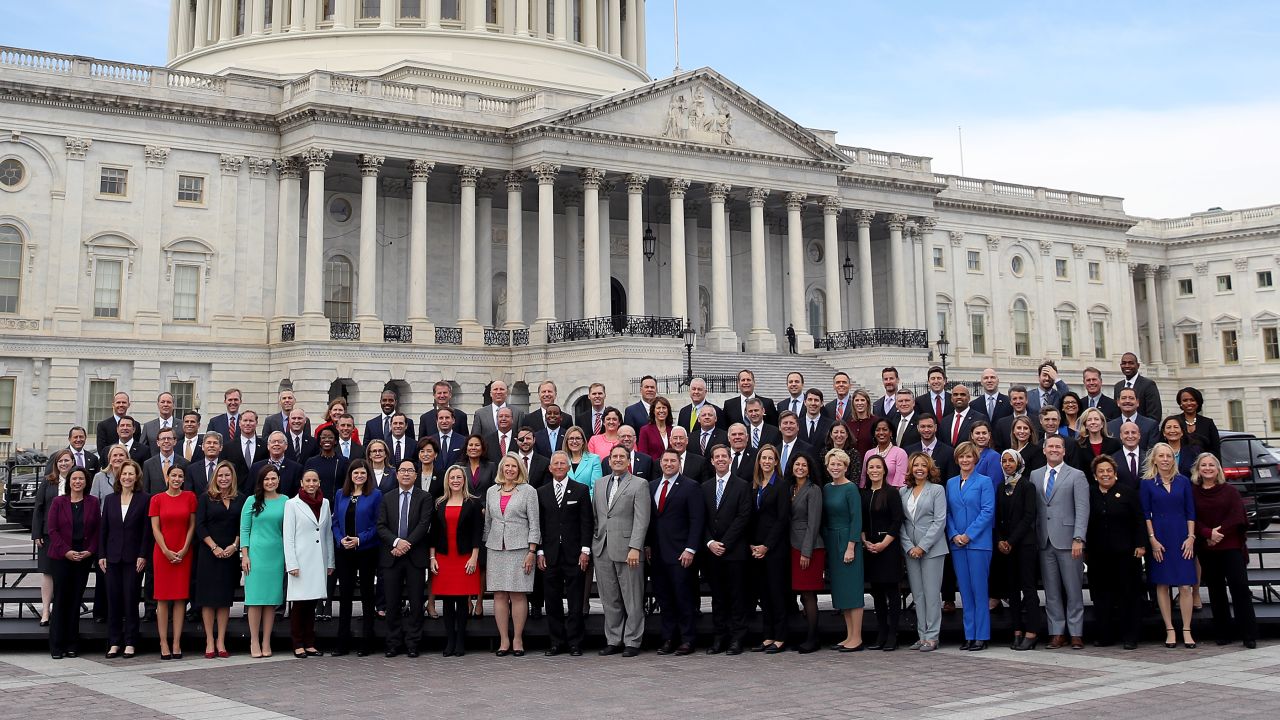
(971, 508)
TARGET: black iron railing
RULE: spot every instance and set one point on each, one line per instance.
(615, 325)
(397, 333)
(497, 338)
(448, 335)
(288, 331)
(344, 331)
(669, 385)
(520, 338)
(875, 337)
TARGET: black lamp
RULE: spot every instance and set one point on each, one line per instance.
(650, 241)
(690, 334)
(847, 266)
(944, 348)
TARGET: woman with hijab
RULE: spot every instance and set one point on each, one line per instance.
(1013, 566)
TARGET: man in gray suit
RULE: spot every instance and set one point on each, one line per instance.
(485, 420)
(1062, 513)
(151, 428)
(622, 520)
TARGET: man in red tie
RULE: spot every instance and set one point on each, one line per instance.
(935, 400)
(675, 532)
(961, 419)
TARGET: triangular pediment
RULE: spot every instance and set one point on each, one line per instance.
(699, 110)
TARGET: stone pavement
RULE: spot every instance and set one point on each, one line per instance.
(1152, 681)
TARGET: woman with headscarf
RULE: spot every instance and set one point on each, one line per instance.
(1014, 563)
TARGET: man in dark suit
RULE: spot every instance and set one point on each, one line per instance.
(153, 470)
(379, 426)
(227, 424)
(1145, 387)
(688, 416)
(593, 424)
(200, 472)
(935, 400)
(537, 419)
(442, 392)
(637, 414)
(567, 522)
(248, 442)
(1130, 456)
(151, 428)
(106, 430)
(485, 421)
(757, 430)
(727, 500)
(742, 459)
(794, 401)
(935, 448)
(551, 437)
(903, 418)
(400, 444)
(735, 407)
(692, 465)
(959, 424)
(841, 406)
(708, 434)
(347, 445)
(640, 465)
(1094, 398)
(1050, 390)
(789, 443)
(675, 532)
(299, 446)
(1004, 426)
(536, 466)
(885, 405)
(290, 470)
(280, 421)
(127, 430)
(404, 523)
(188, 444)
(503, 439)
(76, 440)
(814, 424)
(1129, 412)
(991, 402)
(452, 441)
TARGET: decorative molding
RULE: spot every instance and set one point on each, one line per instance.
(897, 221)
(468, 175)
(316, 158)
(993, 243)
(545, 172)
(1124, 256)
(231, 164)
(636, 183)
(1134, 268)
(288, 168)
(717, 192)
(259, 166)
(1162, 272)
(795, 201)
(689, 119)
(514, 181)
(757, 196)
(7, 323)
(677, 187)
(1046, 247)
(155, 155)
(1111, 254)
(1078, 249)
(77, 147)
(1202, 268)
(928, 223)
(591, 178)
(957, 238)
(864, 217)
(370, 165)
(831, 205)
(1242, 263)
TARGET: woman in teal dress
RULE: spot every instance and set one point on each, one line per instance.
(262, 558)
(842, 534)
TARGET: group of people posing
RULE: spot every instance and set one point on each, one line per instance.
(764, 501)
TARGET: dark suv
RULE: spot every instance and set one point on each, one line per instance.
(1252, 466)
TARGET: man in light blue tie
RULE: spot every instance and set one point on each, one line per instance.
(1062, 510)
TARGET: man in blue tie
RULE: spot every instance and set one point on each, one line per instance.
(1062, 510)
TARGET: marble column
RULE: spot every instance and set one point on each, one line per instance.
(631, 38)
(1083, 341)
(761, 339)
(928, 226)
(795, 264)
(475, 15)
(175, 19)
(316, 160)
(147, 320)
(522, 18)
(296, 14)
(562, 20)
(484, 249)
(677, 187)
(366, 301)
(897, 268)
(606, 247)
(571, 199)
(615, 27)
(226, 21)
(286, 301)
(691, 240)
(591, 179)
(540, 28)
(589, 24)
(468, 176)
(387, 12)
(831, 260)
(230, 303)
(277, 15)
(720, 336)
(1154, 348)
(204, 15)
(419, 174)
(183, 43)
(433, 14)
(256, 22)
(515, 250)
(866, 288)
(546, 175)
(635, 243)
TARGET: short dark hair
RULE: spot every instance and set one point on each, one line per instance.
(937, 369)
(75, 428)
(1018, 389)
(1046, 364)
(891, 369)
(814, 391)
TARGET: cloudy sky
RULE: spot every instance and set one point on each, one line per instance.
(1173, 105)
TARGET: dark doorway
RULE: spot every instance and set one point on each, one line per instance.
(618, 304)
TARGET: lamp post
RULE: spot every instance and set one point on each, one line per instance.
(689, 335)
(943, 348)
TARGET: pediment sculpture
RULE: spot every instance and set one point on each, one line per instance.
(689, 118)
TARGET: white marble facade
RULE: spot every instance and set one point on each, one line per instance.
(165, 226)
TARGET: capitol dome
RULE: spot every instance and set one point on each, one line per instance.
(591, 46)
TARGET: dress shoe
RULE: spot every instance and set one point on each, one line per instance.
(806, 648)
(847, 649)
(1130, 645)
(502, 653)
(411, 653)
(630, 652)
(391, 653)
(965, 645)
(127, 654)
(301, 655)
(1077, 642)
(761, 647)
(1251, 644)
(163, 656)
(56, 656)
(112, 653)
(929, 646)
(176, 656)
(890, 646)
(948, 607)
(735, 648)
(73, 653)
(210, 654)
(45, 623)
(553, 651)
(517, 653)
(684, 649)
(1057, 642)
(716, 648)
(1028, 643)
(362, 653)
(977, 646)
(574, 651)
(338, 653)
(667, 648)
(224, 654)
(774, 649)
(875, 645)
(608, 650)
(1017, 640)
(1170, 634)
(314, 653)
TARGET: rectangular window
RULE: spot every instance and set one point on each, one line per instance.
(10, 269)
(978, 333)
(1274, 405)
(268, 12)
(1095, 271)
(186, 292)
(106, 288)
(1190, 349)
(1099, 339)
(942, 323)
(1235, 415)
(491, 11)
(449, 10)
(1186, 287)
(1065, 334)
(411, 9)
(329, 7)
(184, 397)
(1224, 283)
(370, 9)
(1230, 347)
(1271, 343)
(975, 261)
(191, 189)
(114, 182)
(1060, 268)
(1264, 279)
(938, 261)
(6, 407)
(101, 393)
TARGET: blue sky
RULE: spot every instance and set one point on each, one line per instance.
(1170, 104)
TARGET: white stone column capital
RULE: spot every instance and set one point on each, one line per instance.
(571, 197)
(993, 243)
(545, 172)
(230, 164)
(316, 158)
(677, 187)
(864, 217)
(370, 165)
(831, 205)
(796, 200)
(928, 224)
(288, 168)
(757, 196)
(637, 183)
(259, 166)
(420, 170)
(514, 180)
(897, 221)
(591, 178)
(78, 147)
(956, 237)
(717, 192)
(469, 175)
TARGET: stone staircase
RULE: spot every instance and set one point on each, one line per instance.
(770, 370)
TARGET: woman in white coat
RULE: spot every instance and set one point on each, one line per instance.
(308, 560)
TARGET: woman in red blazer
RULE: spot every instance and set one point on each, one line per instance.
(652, 440)
(73, 541)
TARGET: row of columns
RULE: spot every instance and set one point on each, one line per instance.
(198, 24)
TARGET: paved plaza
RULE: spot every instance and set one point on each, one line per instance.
(1149, 682)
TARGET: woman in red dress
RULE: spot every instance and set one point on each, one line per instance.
(458, 533)
(173, 523)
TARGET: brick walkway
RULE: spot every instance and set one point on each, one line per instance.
(1210, 681)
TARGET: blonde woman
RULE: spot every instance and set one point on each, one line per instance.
(1170, 511)
(457, 533)
(511, 535)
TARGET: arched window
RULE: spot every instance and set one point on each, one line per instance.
(10, 268)
(1021, 329)
(337, 289)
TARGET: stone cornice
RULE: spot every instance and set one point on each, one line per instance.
(1038, 214)
(918, 187)
(1207, 238)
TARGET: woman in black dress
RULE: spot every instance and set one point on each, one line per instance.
(1199, 430)
(1116, 542)
(881, 527)
(770, 546)
(1013, 566)
(218, 557)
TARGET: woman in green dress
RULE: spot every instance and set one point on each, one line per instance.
(262, 558)
(842, 534)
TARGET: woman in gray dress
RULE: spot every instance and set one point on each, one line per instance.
(512, 536)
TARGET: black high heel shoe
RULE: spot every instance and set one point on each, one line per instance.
(1186, 633)
(1170, 645)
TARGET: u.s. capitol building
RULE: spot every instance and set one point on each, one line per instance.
(338, 195)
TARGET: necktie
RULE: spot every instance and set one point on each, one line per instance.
(755, 437)
(164, 467)
(386, 426)
(187, 452)
(444, 445)
(1093, 401)
(795, 406)
(937, 406)
(559, 493)
(248, 452)
(398, 451)
(719, 491)
(297, 445)
(404, 514)
(613, 485)
(164, 424)
(1128, 383)
(693, 417)
(79, 458)
(208, 472)
(596, 426)
(706, 438)
(902, 428)
(1044, 399)
(991, 407)
(786, 451)
(502, 443)
(955, 430)
(662, 497)
(231, 426)
(1133, 464)
(346, 448)
(526, 462)
(813, 428)
(737, 457)
(840, 410)
(1048, 483)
